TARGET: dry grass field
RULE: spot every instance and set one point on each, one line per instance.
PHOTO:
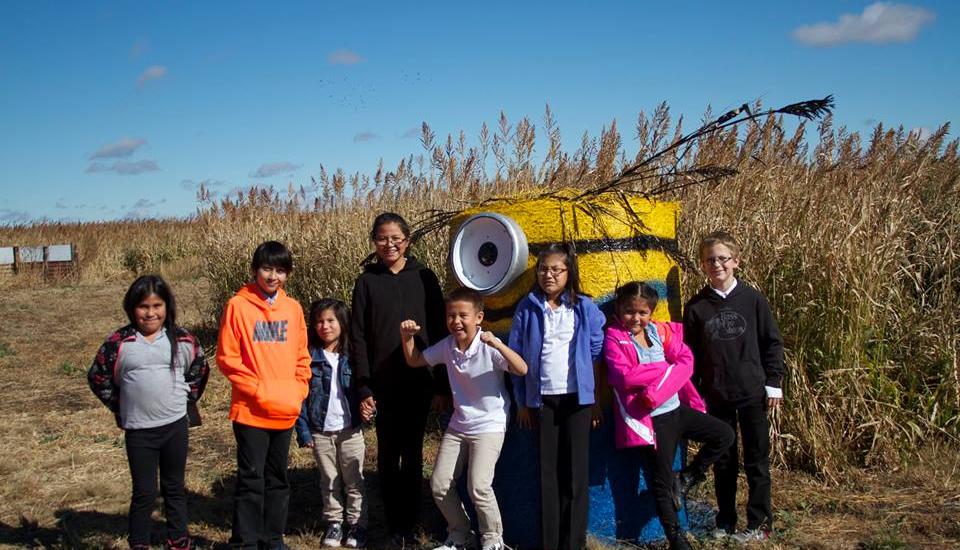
(66, 483)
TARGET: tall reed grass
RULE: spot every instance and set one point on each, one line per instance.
(853, 242)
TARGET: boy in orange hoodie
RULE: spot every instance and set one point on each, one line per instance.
(262, 350)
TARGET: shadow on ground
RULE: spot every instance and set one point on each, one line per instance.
(210, 519)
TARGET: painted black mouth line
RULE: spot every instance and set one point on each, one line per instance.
(638, 243)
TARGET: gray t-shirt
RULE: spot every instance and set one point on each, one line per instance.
(151, 393)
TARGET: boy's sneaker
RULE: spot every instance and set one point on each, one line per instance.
(449, 544)
(720, 533)
(333, 535)
(356, 537)
(751, 535)
(182, 543)
(494, 546)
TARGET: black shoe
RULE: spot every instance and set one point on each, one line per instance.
(356, 537)
(676, 538)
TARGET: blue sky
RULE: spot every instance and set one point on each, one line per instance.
(117, 109)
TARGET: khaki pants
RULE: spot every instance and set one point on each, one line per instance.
(480, 453)
(340, 459)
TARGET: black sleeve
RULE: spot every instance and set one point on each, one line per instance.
(358, 339)
(691, 337)
(770, 342)
(436, 327)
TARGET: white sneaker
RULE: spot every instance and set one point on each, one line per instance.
(333, 535)
(751, 535)
(494, 546)
(450, 545)
(719, 533)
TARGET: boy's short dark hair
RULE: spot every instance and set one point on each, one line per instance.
(272, 253)
(719, 237)
(465, 294)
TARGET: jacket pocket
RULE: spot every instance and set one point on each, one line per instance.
(280, 398)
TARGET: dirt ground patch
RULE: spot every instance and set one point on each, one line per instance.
(66, 482)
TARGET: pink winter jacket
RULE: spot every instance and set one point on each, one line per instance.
(639, 389)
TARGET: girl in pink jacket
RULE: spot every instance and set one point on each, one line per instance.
(655, 404)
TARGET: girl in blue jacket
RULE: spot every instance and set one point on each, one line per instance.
(558, 331)
(330, 424)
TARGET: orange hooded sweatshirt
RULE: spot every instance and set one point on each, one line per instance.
(262, 350)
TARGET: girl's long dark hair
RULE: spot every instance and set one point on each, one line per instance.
(143, 287)
(341, 312)
(569, 253)
(633, 290)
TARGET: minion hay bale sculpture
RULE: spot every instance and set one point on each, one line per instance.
(620, 233)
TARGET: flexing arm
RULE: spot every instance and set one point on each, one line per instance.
(414, 357)
(515, 364)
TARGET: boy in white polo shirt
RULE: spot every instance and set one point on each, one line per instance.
(476, 361)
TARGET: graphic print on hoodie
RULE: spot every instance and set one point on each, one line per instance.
(262, 350)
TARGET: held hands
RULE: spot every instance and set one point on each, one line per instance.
(525, 418)
(409, 329)
(596, 416)
(368, 408)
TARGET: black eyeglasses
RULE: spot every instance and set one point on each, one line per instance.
(389, 240)
(722, 260)
(555, 271)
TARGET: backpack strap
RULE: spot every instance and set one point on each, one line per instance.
(665, 333)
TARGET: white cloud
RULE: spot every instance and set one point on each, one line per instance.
(364, 136)
(274, 169)
(123, 167)
(153, 72)
(344, 57)
(880, 23)
(119, 149)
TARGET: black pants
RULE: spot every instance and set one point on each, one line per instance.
(401, 419)
(150, 449)
(755, 432)
(564, 472)
(263, 493)
(682, 423)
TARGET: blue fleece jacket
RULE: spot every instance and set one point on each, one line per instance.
(526, 338)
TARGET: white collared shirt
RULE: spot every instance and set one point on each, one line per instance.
(480, 403)
(556, 376)
(725, 293)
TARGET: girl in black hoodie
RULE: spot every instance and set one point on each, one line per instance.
(391, 289)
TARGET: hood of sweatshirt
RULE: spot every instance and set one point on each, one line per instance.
(376, 267)
(252, 293)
